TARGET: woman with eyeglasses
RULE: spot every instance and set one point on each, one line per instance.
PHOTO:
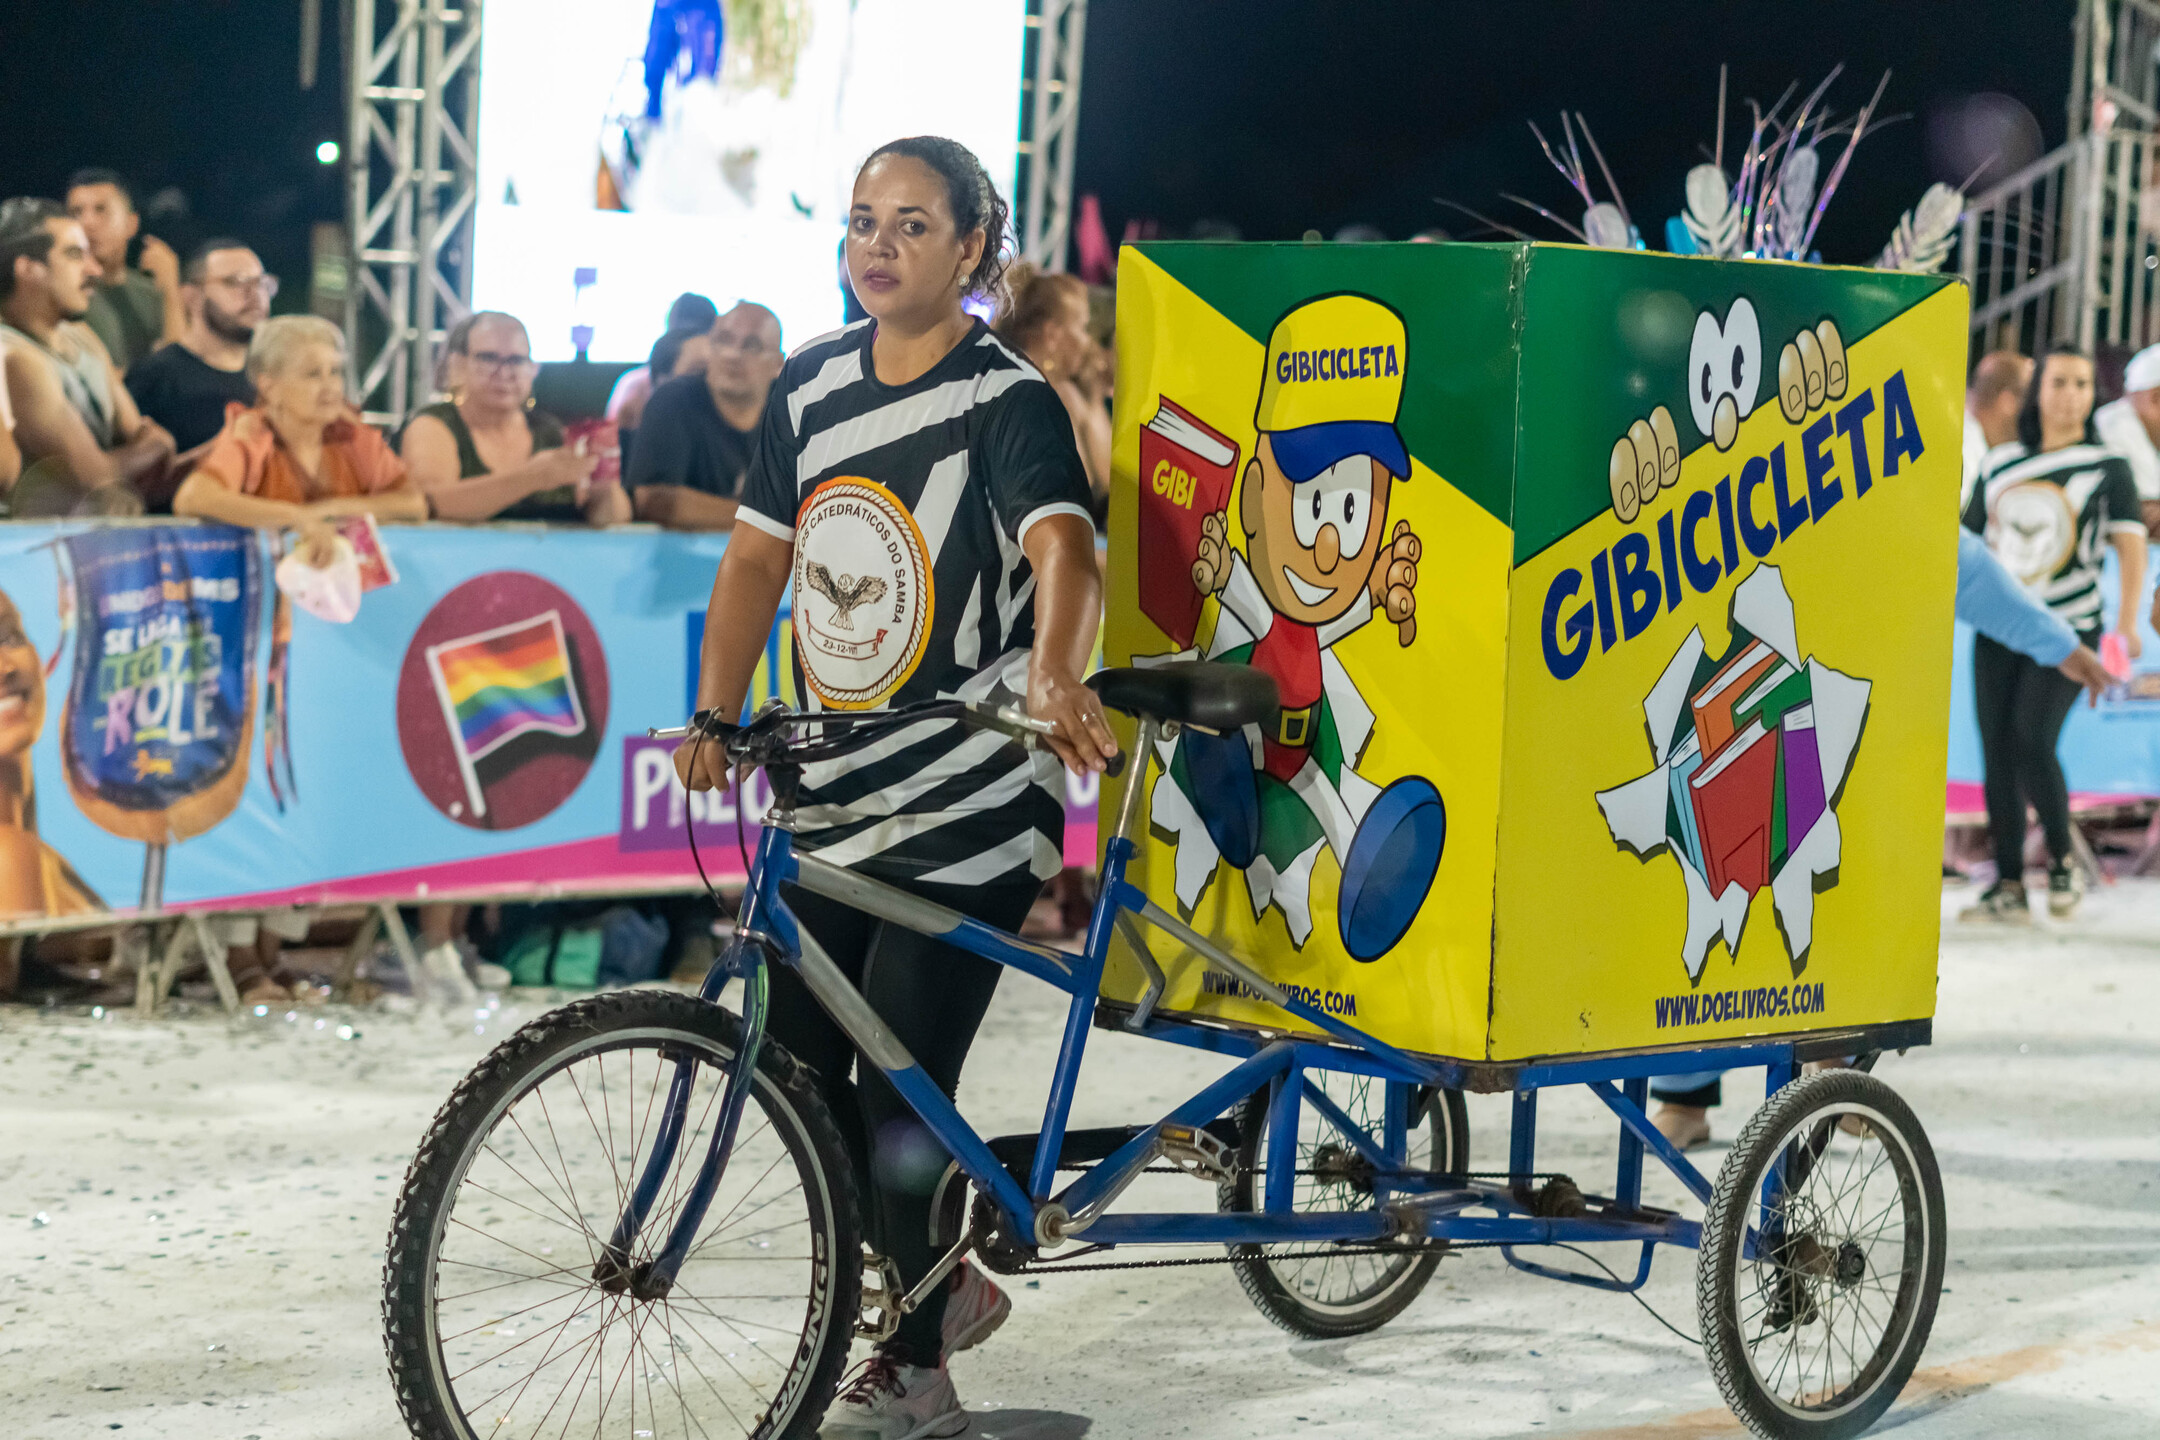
(485, 453)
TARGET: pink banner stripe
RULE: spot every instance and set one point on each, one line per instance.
(577, 867)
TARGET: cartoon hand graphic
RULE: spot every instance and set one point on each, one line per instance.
(1644, 461)
(1394, 580)
(1811, 371)
(1211, 570)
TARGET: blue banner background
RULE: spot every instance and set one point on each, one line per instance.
(358, 811)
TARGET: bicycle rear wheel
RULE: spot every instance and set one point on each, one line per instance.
(1325, 1290)
(495, 1324)
(1813, 1336)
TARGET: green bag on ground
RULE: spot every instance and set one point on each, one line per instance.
(565, 956)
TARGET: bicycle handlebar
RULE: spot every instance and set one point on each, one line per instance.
(1010, 720)
(764, 742)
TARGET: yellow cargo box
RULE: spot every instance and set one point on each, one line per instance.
(1609, 599)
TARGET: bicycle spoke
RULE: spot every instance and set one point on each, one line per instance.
(607, 1115)
(591, 1252)
(691, 1361)
(704, 1307)
(536, 1259)
(722, 1357)
(496, 1194)
(518, 1277)
(540, 1094)
(547, 1356)
(607, 1401)
(501, 1319)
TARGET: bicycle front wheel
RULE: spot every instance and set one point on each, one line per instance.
(496, 1321)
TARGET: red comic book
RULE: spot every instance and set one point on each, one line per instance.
(1733, 800)
(1186, 470)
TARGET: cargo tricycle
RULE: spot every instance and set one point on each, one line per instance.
(1534, 668)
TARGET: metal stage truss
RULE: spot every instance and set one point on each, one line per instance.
(1049, 128)
(412, 174)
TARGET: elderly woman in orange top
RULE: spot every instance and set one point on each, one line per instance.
(301, 457)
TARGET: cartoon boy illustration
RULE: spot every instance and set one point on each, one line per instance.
(1319, 563)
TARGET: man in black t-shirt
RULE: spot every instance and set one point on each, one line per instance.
(185, 386)
(699, 431)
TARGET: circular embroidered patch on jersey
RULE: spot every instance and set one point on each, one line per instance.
(864, 593)
(2034, 531)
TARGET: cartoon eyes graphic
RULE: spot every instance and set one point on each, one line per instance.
(1724, 373)
(1341, 497)
(1726, 361)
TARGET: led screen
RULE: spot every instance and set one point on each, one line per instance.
(634, 149)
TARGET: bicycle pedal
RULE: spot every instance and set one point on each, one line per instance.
(1197, 1152)
(882, 1294)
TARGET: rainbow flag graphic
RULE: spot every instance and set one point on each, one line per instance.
(503, 683)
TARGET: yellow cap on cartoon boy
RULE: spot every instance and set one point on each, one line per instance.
(1333, 386)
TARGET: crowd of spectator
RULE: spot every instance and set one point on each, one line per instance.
(165, 385)
(135, 380)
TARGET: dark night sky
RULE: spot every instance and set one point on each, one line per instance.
(199, 94)
(1310, 119)
(1276, 116)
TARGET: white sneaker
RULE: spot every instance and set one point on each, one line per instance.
(974, 1308)
(888, 1401)
(448, 984)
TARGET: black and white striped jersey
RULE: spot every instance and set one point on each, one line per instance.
(905, 505)
(2049, 518)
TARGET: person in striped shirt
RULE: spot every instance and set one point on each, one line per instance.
(2050, 505)
(916, 479)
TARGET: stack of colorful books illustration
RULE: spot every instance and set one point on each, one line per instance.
(1746, 777)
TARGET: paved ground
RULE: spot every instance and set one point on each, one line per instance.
(192, 1215)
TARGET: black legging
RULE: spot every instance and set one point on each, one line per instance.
(2022, 705)
(933, 997)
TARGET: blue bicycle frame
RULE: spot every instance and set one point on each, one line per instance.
(1407, 1202)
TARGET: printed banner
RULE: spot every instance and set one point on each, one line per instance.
(1608, 597)
(158, 719)
(477, 732)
